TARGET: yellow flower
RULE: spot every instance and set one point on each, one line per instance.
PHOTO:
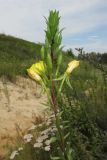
(37, 70)
(39, 67)
(34, 75)
(72, 65)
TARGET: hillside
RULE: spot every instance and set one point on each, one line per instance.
(20, 110)
(15, 53)
(85, 103)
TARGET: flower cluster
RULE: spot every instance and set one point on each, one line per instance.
(28, 138)
(43, 141)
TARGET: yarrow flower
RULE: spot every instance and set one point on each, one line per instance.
(38, 145)
(32, 127)
(14, 154)
(72, 65)
(47, 142)
(28, 137)
(46, 131)
(47, 148)
(20, 149)
(42, 138)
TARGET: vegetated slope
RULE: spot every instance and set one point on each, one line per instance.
(16, 55)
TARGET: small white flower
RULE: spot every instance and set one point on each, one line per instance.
(32, 127)
(54, 129)
(47, 142)
(20, 148)
(39, 140)
(46, 131)
(28, 137)
(47, 148)
(42, 138)
(38, 145)
(48, 122)
(14, 153)
(40, 125)
(61, 126)
(52, 116)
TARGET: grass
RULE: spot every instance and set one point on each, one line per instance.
(85, 106)
(85, 113)
(16, 55)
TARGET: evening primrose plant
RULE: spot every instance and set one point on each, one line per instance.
(46, 73)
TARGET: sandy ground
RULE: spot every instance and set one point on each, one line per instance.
(20, 103)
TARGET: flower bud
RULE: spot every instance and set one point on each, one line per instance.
(34, 75)
(72, 65)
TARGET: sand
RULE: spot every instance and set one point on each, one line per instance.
(20, 104)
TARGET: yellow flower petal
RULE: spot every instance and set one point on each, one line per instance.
(34, 75)
(39, 67)
(72, 65)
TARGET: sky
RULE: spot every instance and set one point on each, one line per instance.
(85, 21)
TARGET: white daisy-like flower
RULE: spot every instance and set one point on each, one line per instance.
(47, 148)
(38, 145)
(13, 155)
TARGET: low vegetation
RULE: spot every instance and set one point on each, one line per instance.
(16, 55)
(76, 129)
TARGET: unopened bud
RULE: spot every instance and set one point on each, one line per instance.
(72, 65)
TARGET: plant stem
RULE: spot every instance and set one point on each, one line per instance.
(55, 108)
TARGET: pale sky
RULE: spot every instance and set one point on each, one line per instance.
(85, 21)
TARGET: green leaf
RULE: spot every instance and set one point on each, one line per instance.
(53, 139)
(67, 135)
(66, 127)
(68, 82)
(69, 155)
(59, 79)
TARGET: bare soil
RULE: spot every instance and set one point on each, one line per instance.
(20, 103)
